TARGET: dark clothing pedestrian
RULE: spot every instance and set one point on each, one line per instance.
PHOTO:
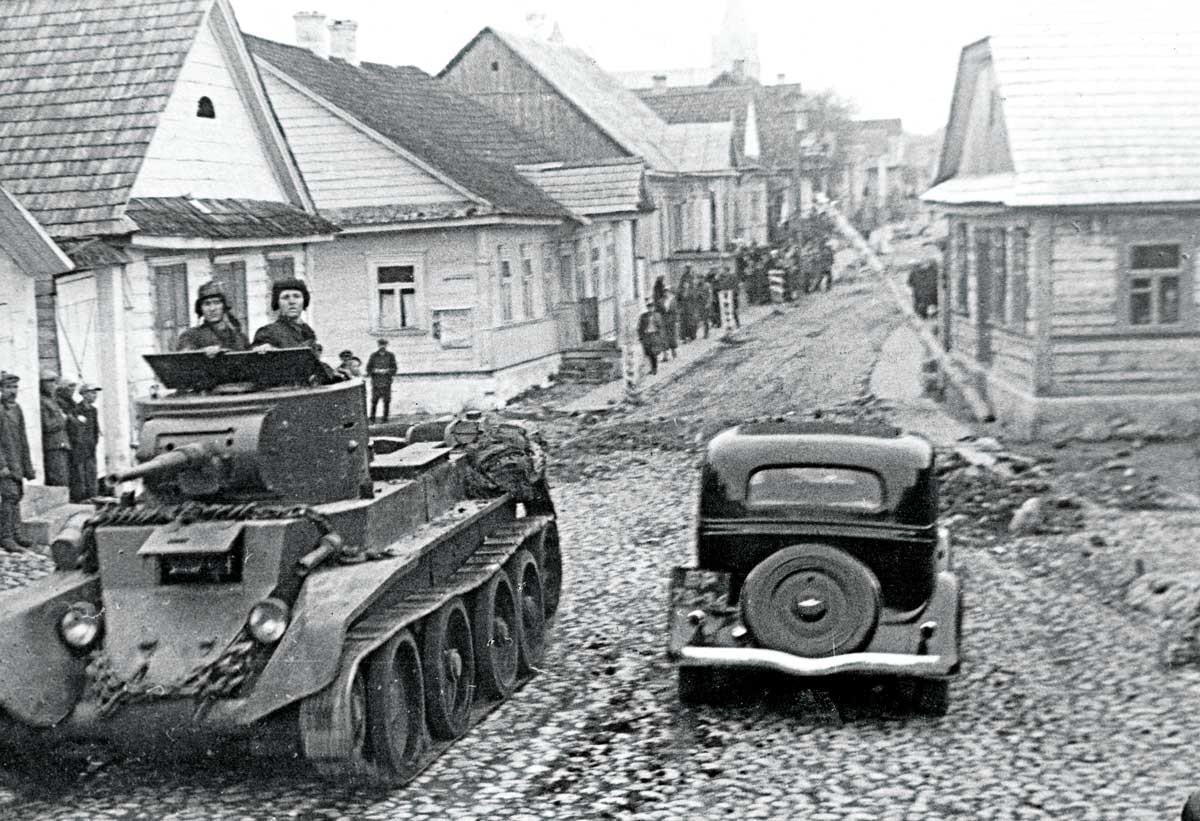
(669, 309)
(75, 422)
(86, 477)
(825, 267)
(286, 333)
(657, 291)
(16, 465)
(381, 367)
(923, 280)
(226, 335)
(687, 310)
(56, 443)
(704, 305)
(649, 331)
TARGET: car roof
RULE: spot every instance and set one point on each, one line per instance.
(870, 446)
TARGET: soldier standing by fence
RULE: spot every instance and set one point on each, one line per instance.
(89, 438)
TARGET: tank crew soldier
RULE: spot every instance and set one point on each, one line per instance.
(381, 366)
(15, 464)
(289, 299)
(349, 365)
(219, 329)
(88, 435)
(56, 444)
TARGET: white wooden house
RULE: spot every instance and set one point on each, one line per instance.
(26, 252)
(1070, 176)
(139, 135)
(473, 269)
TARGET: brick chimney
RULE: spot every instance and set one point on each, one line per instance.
(660, 81)
(311, 32)
(781, 78)
(739, 70)
(343, 42)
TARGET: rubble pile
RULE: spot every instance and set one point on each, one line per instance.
(988, 492)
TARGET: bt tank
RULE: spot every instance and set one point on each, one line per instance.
(275, 578)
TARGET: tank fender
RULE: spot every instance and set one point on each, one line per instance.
(40, 678)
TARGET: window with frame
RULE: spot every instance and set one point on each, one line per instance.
(1155, 282)
(1019, 277)
(962, 256)
(566, 274)
(171, 310)
(547, 277)
(279, 267)
(395, 297)
(677, 237)
(506, 286)
(231, 273)
(597, 281)
(610, 261)
(526, 283)
(581, 268)
(1000, 276)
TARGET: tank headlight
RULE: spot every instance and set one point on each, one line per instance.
(268, 621)
(80, 625)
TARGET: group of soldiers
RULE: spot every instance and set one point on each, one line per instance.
(219, 330)
(70, 434)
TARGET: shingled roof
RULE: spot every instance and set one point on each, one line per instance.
(82, 84)
(460, 138)
(1093, 114)
(224, 219)
(599, 187)
(614, 109)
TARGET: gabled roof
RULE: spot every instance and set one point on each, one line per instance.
(222, 219)
(456, 136)
(598, 95)
(1095, 114)
(82, 83)
(25, 241)
(700, 148)
(774, 108)
(600, 187)
(873, 135)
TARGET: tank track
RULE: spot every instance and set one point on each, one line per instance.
(324, 739)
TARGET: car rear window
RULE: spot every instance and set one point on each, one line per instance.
(843, 488)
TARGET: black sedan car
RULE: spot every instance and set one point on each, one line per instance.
(818, 553)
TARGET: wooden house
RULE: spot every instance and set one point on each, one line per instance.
(26, 253)
(139, 135)
(1070, 176)
(559, 94)
(465, 241)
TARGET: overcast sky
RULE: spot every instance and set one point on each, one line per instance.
(892, 58)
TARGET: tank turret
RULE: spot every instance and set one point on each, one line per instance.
(222, 441)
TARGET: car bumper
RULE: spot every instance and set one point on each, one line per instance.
(756, 658)
(706, 630)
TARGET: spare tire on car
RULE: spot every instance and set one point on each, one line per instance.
(812, 600)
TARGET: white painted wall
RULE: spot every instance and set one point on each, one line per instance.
(221, 157)
(343, 166)
(18, 346)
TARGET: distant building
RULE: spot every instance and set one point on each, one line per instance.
(734, 44)
(1072, 191)
(157, 166)
(704, 201)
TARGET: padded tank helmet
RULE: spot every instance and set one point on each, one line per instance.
(208, 290)
(290, 284)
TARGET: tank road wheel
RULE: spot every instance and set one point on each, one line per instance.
(449, 655)
(552, 570)
(333, 727)
(812, 600)
(495, 628)
(531, 604)
(396, 707)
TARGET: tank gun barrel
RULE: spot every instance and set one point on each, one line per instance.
(172, 461)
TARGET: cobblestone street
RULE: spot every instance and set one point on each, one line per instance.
(1061, 710)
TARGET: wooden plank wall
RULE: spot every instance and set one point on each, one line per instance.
(522, 97)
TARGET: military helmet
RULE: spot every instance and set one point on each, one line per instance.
(290, 284)
(208, 290)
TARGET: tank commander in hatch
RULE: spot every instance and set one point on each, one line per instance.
(219, 329)
(289, 299)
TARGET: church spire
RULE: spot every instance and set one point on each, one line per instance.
(735, 42)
